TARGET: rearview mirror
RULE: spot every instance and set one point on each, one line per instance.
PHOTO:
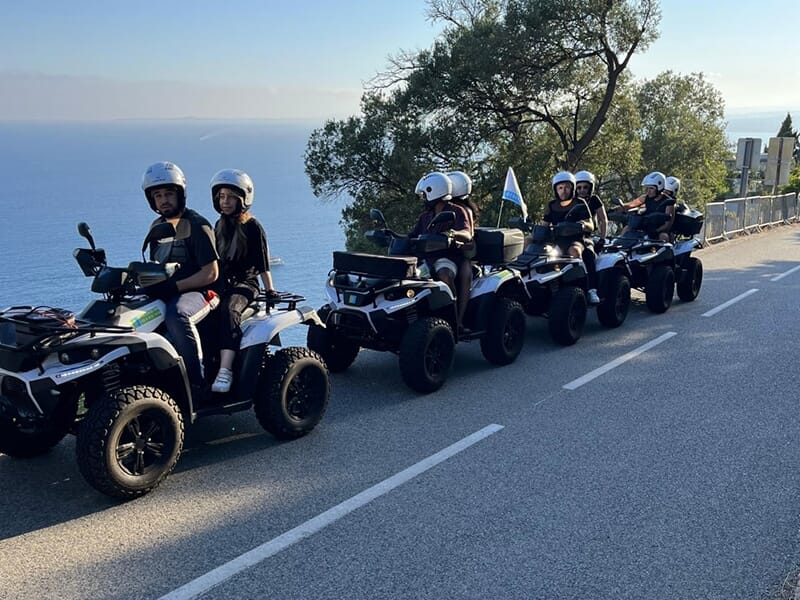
(85, 232)
(519, 223)
(377, 216)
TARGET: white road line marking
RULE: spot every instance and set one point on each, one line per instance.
(575, 384)
(725, 305)
(782, 275)
(204, 583)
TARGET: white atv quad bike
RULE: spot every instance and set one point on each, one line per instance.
(688, 269)
(392, 303)
(110, 376)
(554, 282)
(656, 265)
(613, 285)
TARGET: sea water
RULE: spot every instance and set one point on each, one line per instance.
(55, 175)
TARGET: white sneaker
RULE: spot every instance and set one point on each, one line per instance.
(593, 297)
(222, 384)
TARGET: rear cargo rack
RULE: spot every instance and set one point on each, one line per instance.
(29, 333)
(289, 299)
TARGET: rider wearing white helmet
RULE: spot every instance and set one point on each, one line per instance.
(462, 188)
(585, 189)
(164, 176)
(672, 185)
(654, 199)
(244, 258)
(436, 192)
(557, 210)
(187, 293)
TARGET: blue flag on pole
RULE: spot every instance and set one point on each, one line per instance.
(512, 194)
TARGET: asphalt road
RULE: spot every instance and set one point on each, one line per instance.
(671, 475)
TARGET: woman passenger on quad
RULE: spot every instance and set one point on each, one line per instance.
(585, 184)
(585, 188)
(580, 246)
(672, 185)
(462, 188)
(435, 189)
(654, 200)
(244, 257)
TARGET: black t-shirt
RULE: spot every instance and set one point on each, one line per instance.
(245, 270)
(555, 213)
(595, 204)
(651, 205)
(192, 247)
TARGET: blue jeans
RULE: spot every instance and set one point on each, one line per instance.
(184, 312)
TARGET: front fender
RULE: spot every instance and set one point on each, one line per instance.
(686, 246)
(490, 284)
(609, 260)
(265, 327)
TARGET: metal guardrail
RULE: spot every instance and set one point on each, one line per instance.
(746, 215)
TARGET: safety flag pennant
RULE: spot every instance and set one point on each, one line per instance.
(512, 194)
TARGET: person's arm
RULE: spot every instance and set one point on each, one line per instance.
(258, 254)
(635, 203)
(602, 221)
(461, 230)
(266, 280)
(207, 275)
(670, 211)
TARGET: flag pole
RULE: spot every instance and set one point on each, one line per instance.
(500, 214)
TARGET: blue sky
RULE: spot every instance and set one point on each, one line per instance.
(309, 59)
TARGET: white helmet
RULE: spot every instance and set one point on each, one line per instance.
(586, 177)
(163, 174)
(655, 179)
(236, 179)
(434, 187)
(564, 177)
(462, 184)
(672, 184)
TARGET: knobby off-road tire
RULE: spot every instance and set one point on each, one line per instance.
(337, 351)
(130, 441)
(689, 285)
(26, 442)
(660, 289)
(426, 354)
(567, 315)
(505, 332)
(615, 300)
(293, 392)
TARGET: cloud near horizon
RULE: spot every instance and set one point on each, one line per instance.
(28, 95)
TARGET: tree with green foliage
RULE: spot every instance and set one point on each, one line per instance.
(515, 83)
(683, 133)
(794, 181)
(787, 131)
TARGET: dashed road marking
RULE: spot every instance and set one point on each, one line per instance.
(730, 302)
(575, 384)
(202, 584)
(782, 275)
